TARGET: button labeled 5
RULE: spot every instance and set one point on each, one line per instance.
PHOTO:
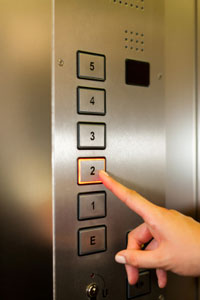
(91, 66)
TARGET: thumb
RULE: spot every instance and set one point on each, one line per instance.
(139, 258)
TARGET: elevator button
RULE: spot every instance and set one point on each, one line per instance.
(91, 101)
(91, 205)
(88, 169)
(91, 240)
(142, 287)
(91, 135)
(91, 66)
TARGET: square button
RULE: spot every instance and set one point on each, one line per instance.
(91, 205)
(91, 101)
(142, 287)
(91, 66)
(88, 169)
(91, 135)
(92, 240)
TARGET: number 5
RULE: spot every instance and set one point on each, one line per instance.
(92, 67)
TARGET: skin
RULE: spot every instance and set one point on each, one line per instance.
(174, 238)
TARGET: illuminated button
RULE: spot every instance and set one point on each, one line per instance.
(91, 135)
(91, 101)
(91, 240)
(91, 66)
(91, 205)
(142, 287)
(88, 170)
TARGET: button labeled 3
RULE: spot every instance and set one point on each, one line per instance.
(88, 169)
(91, 135)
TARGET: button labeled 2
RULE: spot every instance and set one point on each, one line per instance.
(88, 170)
(91, 135)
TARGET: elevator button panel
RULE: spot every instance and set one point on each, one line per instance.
(91, 135)
(142, 287)
(91, 66)
(91, 101)
(88, 169)
(91, 205)
(92, 240)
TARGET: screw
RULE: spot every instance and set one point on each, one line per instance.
(60, 62)
(160, 76)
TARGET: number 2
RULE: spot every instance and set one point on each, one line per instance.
(92, 171)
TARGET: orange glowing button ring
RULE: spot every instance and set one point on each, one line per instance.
(88, 169)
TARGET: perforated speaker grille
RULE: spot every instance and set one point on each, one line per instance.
(134, 40)
(137, 4)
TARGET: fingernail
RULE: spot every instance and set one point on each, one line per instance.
(103, 172)
(120, 259)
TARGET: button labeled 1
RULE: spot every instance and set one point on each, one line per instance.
(91, 205)
(91, 135)
(88, 169)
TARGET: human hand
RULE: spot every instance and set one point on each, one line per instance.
(174, 239)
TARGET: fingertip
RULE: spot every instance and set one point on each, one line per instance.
(102, 173)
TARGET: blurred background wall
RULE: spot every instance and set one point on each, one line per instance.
(25, 150)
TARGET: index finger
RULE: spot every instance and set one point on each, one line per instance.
(131, 198)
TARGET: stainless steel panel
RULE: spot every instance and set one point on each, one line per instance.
(135, 150)
(198, 114)
(180, 92)
(25, 152)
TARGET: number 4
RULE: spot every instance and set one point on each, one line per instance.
(92, 101)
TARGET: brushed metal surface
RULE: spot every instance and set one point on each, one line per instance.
(180, 92)
(25, 152)
(135, 150)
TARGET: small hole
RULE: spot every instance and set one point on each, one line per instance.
(142, 34)
(120, 2)
(126, 39)
(142, 49)
(131, 5)
(136, 6)
(142, 8)
(142, 42)
(137, 49)
(131, 40)
(126, 47)
(137, 33)
(126, 3)
(126, 31)
(131, 32)
(137, 41)
(131, 48)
